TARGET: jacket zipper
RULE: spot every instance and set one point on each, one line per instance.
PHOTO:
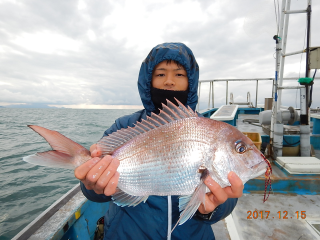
(169, 218)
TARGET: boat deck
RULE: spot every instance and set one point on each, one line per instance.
(292, 211)
(282, 216)
(247, 123)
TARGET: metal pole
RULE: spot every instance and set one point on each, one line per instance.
(257, 93)
(308, 39)
(304, 98)
(275, 128)
(199, 96)
(283, 35)
(227, 92)
(212, 94)
(304, 120)
(209, 96)
(275, 87)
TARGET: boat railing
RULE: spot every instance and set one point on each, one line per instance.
(257, 80)
(31, 229)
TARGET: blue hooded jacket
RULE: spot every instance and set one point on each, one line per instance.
(155, 218)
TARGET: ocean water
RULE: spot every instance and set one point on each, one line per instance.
(25, 189)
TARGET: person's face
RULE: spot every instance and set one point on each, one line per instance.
(169, 77)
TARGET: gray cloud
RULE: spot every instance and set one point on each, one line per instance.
(242, 47)
(233, 41)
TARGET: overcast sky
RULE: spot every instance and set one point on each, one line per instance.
(85, 53)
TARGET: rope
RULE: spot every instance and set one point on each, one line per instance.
(252, 121)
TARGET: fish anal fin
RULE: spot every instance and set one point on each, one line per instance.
(51, 159)
(123, 199)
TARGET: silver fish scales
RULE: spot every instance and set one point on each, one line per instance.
(164, 161)
(165, 155)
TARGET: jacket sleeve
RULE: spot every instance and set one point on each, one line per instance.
(222, 211)
(92, 196)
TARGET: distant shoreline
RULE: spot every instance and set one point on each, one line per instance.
(80, 106)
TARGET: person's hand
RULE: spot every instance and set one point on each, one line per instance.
(99, 174)
(219, 195)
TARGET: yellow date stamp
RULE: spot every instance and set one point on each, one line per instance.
(279, 215)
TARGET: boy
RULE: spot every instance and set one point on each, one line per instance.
(169, 71)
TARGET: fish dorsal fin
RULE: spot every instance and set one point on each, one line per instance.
(192, 113)
(143, 126)
(169, 113)
(148, 124)
(177, 110)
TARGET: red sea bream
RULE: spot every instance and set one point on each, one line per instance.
(167, 154)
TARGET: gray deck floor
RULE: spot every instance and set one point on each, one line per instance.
(277, 227)
(246, 126)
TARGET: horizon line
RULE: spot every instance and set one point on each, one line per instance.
(96, 106)
(73, 106)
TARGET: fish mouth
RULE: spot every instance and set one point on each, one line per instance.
(256, 171)
(259, 169)
(254, 174)
(260, 172)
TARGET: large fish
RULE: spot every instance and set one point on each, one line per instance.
(167, 154)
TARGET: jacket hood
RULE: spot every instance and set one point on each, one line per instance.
(165, 51)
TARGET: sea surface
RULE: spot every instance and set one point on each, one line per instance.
(25, 189)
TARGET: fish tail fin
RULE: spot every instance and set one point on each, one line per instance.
(64, 153)
(51, 159)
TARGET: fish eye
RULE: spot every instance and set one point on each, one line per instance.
(240, 147)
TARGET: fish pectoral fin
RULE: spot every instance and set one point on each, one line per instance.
(123, 199)
(190, 204)
(51, 159)
(183, 201)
